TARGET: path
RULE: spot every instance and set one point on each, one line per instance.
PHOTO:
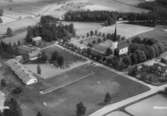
(50, 90)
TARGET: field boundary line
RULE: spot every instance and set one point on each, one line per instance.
(43, 92)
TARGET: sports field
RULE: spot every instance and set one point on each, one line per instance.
(88, 83)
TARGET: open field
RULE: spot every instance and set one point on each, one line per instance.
(82, 28)
(158, 34)
(90, 91)
(18, 24)
(16, 38)
(149, 106)
(120, 5)
(126, 30)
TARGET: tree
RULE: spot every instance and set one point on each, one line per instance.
(81, 109)
(39, 114)
(1, 12)
(3, 83)
(29, 35)
(1, 21)
(107, 98)
(14, 108)
(60, 61)
(9, 32)
(54, 56)
(38, 69)
(43, 57)
(108, 51)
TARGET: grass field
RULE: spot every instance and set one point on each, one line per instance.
(90, 90)
(126, 30)
(158, 34)
(82, 28)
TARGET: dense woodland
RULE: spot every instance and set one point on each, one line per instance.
(50, 29)
(91, 16)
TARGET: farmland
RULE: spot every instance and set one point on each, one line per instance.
(90, 90)
(126, 30)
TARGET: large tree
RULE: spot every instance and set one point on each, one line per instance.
(81, 109)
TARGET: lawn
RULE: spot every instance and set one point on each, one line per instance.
(126, 30)
(90, 90)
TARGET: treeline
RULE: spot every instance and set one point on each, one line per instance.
(8, 50)
(140, 50)
(50, 29)
(91, 16)
(158, 8)
(109, 17)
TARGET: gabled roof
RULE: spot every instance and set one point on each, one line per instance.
(123, 44)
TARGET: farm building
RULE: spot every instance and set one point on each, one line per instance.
(37, 40)
(30, 51)
(2, 100)
(26, 76)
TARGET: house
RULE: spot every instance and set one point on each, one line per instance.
(37, 40)
(30, 51)
(26, 76)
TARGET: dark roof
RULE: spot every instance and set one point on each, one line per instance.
(123, 44)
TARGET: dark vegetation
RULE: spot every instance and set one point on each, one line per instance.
(8, 50)
(108, 18)
(50, 29)
(140, 50)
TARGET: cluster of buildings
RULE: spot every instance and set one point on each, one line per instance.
(27, 53)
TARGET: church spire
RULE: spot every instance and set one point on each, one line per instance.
(115, 32)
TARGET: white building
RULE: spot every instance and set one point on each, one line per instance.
(25, 75)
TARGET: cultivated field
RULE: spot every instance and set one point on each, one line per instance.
(88, 84)
(126, 30)
(117, 113)
(148, 106)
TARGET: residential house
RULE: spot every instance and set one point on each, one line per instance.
(30, 51)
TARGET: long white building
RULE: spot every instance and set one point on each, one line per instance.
(23, 73)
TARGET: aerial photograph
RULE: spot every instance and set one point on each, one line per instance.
(83, 57)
